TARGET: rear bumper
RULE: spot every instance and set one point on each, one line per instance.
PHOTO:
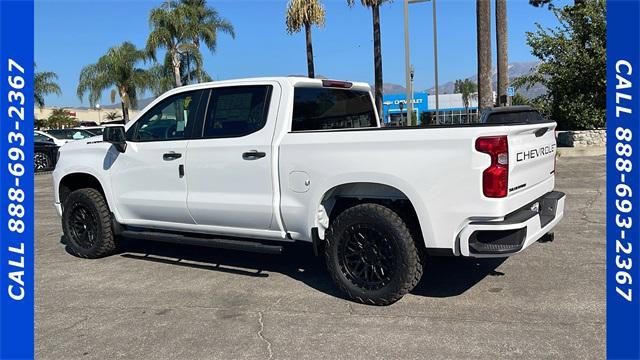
(516, 231)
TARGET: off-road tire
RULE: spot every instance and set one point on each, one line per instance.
(93, 205)
(409, 257)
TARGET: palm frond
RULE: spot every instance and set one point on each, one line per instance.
(44, 83)
(304, 12)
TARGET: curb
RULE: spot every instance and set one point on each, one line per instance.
(581, 151)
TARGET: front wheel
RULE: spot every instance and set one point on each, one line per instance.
(372, 255)
(86, 223)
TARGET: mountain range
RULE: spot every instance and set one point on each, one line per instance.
(515, 70)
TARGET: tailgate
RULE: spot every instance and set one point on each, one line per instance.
(532, 151)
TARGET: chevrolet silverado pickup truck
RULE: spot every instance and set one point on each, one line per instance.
(255, 164)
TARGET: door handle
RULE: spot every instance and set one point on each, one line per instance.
(253, 155)
(171, 155)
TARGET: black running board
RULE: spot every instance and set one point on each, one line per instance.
(214, 242)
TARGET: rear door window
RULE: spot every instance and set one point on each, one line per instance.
(328, 108)
(236, 111)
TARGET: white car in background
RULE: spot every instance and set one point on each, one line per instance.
(44, 137)
(96, 130)
(62, 136)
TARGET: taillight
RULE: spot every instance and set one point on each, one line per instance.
(495, 178)
(337, 84)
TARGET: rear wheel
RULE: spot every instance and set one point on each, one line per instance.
(86, 223)
(372, 255)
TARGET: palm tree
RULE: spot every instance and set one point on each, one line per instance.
(117, 68)
(112, 115)
(377, 46)
(179, 27)
(305, 13)
(203, 25)
(44, 83)
(162, 78)
(168, 32)
(60, 118)
(483, 33)
(501, 42)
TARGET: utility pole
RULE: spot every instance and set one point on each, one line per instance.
(407, 62)
(435, 59)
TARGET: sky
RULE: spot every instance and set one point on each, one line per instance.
(72, 34)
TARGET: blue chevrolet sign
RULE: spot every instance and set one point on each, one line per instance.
(395, 106)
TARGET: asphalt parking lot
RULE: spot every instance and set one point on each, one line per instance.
(161, 301)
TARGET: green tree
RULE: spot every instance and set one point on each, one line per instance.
(44, 83)
(377, 47)
(518, 99)
(117, 68)
(60, 118)
(304, 14)
(573, 66)
(469, 91)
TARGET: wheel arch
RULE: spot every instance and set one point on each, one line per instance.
(343, 195)
(79, 180)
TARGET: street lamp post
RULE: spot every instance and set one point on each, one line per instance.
(99, 114)
(407, 57)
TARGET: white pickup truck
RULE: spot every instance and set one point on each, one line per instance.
(257, 163)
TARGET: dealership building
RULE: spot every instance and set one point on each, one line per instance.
(451, 109)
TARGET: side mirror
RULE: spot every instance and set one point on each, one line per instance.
(116, 136)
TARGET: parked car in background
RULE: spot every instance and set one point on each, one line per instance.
(42, 136)
(69, 134)
(45, 154)
(96, 130)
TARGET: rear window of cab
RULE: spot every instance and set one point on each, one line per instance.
(330, 108)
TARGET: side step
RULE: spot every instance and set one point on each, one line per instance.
(219, 242)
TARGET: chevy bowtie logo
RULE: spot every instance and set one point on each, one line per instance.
(534, 153)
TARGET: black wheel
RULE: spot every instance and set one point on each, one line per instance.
(372, 255)
(86, 224)
(41, 161)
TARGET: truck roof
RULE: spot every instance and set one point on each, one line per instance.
(291, 80)
(286, 80)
